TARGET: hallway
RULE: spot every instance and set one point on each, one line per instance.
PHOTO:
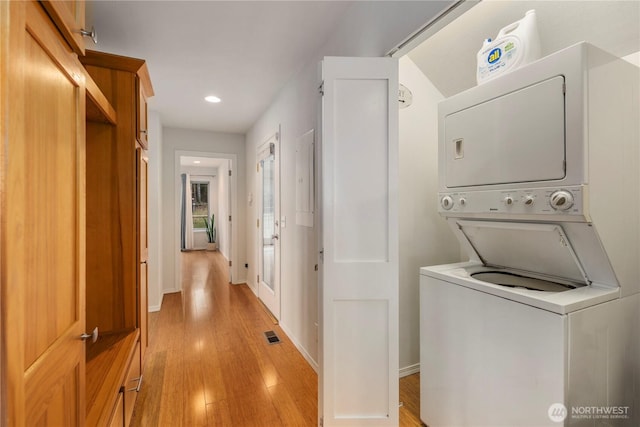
(209, 364)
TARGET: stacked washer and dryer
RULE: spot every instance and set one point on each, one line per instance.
(539, 180)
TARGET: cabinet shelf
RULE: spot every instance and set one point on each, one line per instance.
(107, 363)
(98, 107)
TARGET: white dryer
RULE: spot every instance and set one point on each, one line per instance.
(538, 178)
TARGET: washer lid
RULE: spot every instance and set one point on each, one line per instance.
(535, 248)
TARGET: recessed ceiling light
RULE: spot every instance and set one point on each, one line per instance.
(196, 161)
(213, 99)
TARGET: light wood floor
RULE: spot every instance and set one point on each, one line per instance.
(208, 363)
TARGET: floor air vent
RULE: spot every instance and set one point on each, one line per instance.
(271, 337)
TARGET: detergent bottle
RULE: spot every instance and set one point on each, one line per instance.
(516, 44)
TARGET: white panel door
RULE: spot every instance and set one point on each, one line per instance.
(268, 225)
(359, 283)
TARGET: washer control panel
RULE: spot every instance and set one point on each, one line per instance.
(551, 201)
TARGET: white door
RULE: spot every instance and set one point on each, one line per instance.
(268, 225)
(359, 282)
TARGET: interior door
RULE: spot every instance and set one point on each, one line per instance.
(268, 225)
(43, 226)
(358, 378)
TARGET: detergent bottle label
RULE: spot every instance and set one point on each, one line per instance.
(496, 57)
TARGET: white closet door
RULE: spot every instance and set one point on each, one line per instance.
(359, 282)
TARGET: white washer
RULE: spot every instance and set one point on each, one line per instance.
(538, 179)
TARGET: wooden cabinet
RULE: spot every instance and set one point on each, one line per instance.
(144, 91)
(69, 18)
(117, 418)
(72, 203)
(131, 386)
(143, 247)
(116, 207)
(42, 226)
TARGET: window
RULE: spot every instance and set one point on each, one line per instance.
(199, 203)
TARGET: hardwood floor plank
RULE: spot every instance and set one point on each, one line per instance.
(290, 413)
(209, 364)
(218, 414)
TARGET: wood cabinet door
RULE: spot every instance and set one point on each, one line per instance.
(43, 238)
(143, 248)
(132, 382)
(69, 18)
(141, 117)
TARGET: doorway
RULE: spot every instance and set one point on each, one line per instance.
(268, 225)
(205, 188)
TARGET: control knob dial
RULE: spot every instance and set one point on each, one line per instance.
(446, 202)
(561, 200)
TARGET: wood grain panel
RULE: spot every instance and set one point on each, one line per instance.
(50, 202)
(43, 223)
(69, 17)
(111, 209)
(143, 247)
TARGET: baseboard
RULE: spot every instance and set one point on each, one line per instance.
(155, 308)
(409, 370)
(301, 349)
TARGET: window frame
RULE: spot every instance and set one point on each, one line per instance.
(193, 204)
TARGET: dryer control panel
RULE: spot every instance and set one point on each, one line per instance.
(518, 203)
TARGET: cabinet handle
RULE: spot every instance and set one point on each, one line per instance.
(93, 335)
(92, 34)
(136, 389)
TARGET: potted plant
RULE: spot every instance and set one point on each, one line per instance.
(210, 226)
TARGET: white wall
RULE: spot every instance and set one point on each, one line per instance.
(155, 209)
(366, 29)
(425, 237)
(198, 143)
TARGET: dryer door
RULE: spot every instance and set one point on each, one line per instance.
(515, 137)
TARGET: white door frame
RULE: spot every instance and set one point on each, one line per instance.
(270, 297)
(233, 166)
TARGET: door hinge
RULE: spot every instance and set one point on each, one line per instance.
(229, 218)
(321, 88)
(321, 422)
(229, 172)
(322, 256)
(258, 167)
(258, 223)
(258, 278)
(230, 263)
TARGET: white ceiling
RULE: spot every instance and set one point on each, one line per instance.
(448, 58)
(241, 51)
(203, 162)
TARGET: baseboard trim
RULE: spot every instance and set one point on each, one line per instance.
(301, 349)
(409, 370)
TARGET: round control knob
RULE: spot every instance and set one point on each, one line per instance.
(508, 200)
(446, 202)
(462, 201)
(561, 200)
(528, 200)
